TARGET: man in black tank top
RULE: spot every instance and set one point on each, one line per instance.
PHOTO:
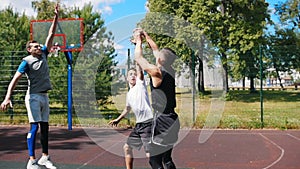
(162, 82)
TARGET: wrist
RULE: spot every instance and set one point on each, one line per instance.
(7, 97)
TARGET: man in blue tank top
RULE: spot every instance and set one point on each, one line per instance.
(35, 67)
(162, 82)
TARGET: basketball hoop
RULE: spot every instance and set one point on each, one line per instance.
(68, 34)
(55, 49)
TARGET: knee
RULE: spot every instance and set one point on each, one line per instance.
(44, 128)
(33, 128)
(148, 155)
(44, 125)
(127, 149)
(32, 133)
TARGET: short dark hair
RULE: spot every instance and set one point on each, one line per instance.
(132, 68)
(28, 44)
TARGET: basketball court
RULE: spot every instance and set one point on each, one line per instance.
(76, 149)
(224, 149)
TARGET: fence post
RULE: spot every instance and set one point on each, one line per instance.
(261, 89)
(11, 110)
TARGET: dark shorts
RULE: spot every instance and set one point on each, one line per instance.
(140, 136)
(165, 129)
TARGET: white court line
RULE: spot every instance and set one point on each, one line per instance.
(281, 155)
(297, 138)
(86, 163)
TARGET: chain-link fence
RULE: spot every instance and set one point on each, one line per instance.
(276, 106)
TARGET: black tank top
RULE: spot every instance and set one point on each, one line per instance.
(163, 96)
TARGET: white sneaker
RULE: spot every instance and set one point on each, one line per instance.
(32, 164)
(45, 160)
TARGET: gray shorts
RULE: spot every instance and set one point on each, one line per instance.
(37, 106)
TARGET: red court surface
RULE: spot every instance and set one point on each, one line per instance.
(90, 148)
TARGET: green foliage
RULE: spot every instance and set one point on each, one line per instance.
(14, 30)
(281, 48)
(110, 115)
(289, 13)
(169, 26)
(59, 75)
(282, 51)
(234, 28)
(92, 20)
(44, 9)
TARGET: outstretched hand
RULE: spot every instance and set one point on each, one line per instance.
(56, 9)
(137, 35)
(5, 103)
(114, 122)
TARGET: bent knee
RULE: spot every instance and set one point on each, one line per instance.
(127, 149)
(147, 154)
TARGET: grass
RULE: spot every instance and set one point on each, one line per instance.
(236, 110)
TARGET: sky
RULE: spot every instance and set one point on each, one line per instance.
(120, 16)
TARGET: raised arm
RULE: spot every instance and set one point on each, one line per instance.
(138, 51)
(49, 40)
(150, 42)
(139, 72)
(151, 69)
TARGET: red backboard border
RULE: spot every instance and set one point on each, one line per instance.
(63, 35)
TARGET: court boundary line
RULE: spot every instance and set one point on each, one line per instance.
(276, 145)
(294, 137)
(86, 163)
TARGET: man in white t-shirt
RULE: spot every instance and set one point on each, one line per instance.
(137, 100)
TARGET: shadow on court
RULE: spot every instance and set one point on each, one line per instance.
(91, 148)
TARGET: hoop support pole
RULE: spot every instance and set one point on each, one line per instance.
(68, 55)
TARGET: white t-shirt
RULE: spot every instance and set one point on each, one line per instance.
(138, 99)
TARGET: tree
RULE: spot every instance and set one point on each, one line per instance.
(44, 9)
(13, 36)
(99, 43)
(289, 13)
(234, 27)
(176, 32)
(282, 51)
(14, 30)
(246, 65)
(286, 41)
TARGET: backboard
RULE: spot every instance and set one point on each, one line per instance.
(68, 34)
